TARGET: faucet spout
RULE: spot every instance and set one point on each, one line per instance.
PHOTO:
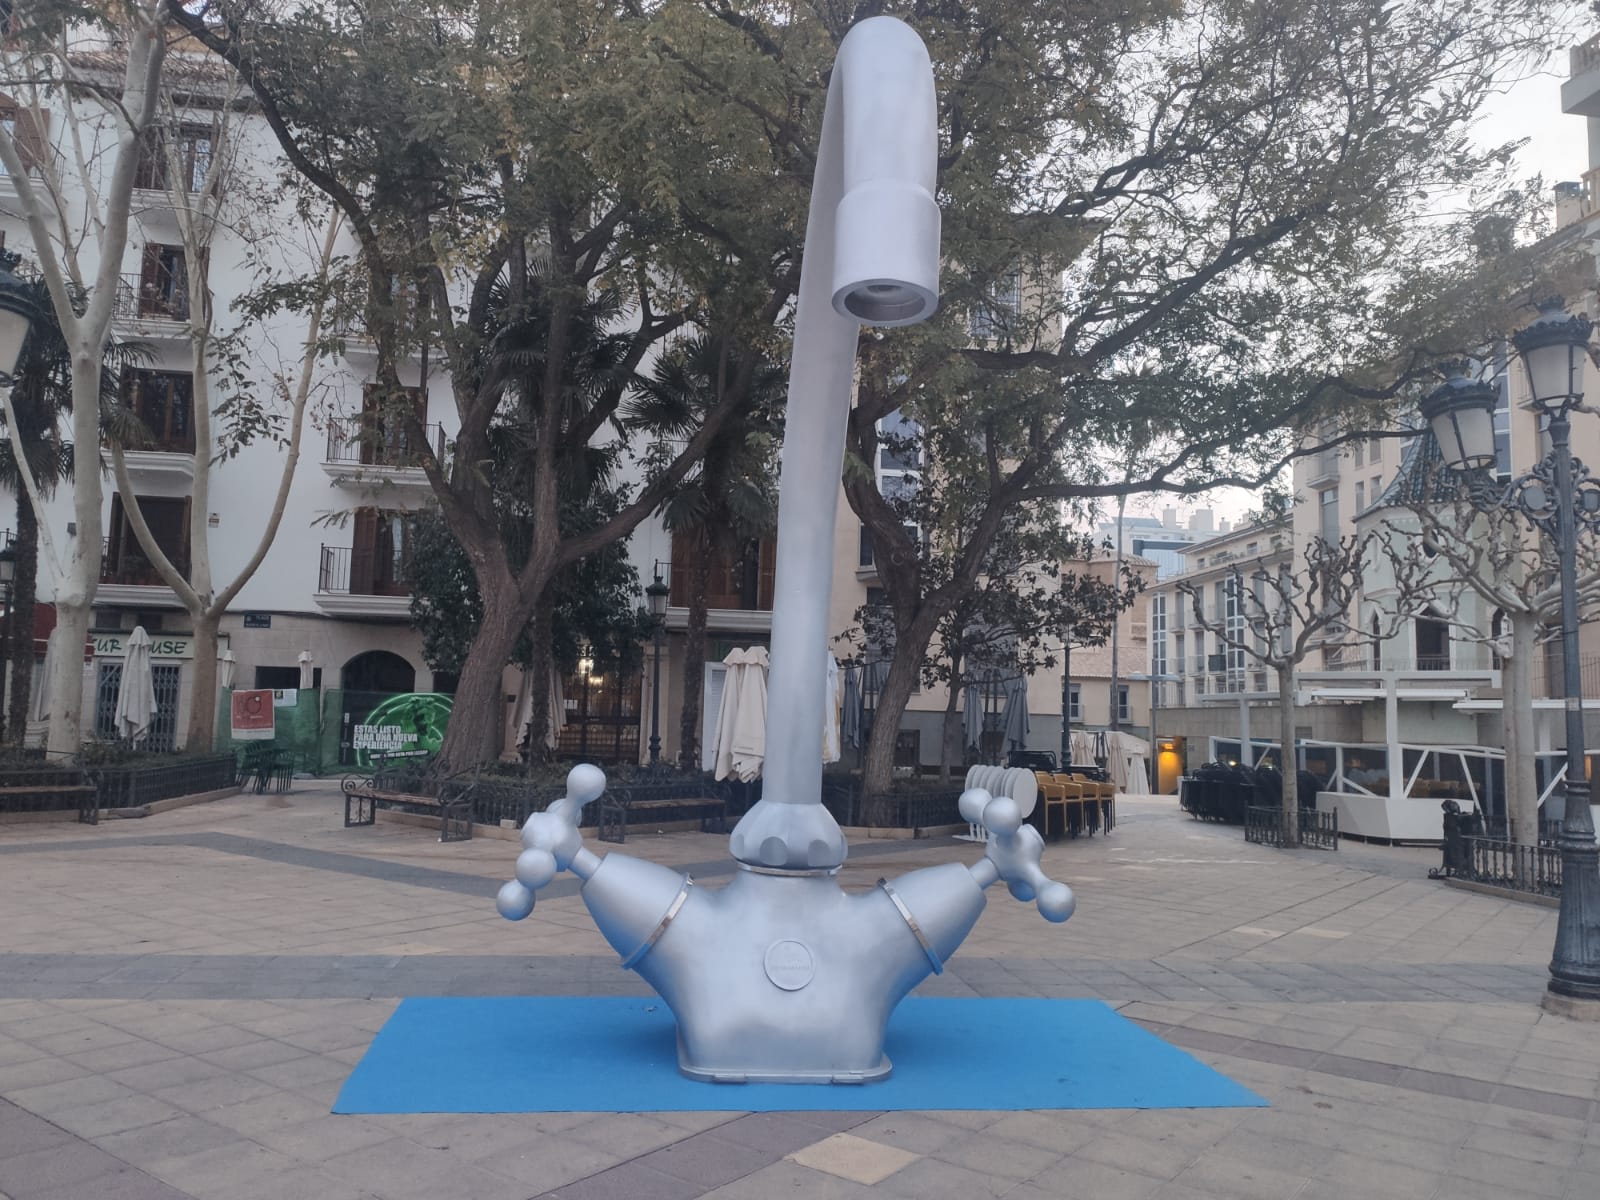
(871, 257)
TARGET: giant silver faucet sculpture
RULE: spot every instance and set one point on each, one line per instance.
(781, 976)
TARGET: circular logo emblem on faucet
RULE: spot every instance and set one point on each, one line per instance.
(789, 964)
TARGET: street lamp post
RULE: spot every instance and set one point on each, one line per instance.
(8, 575)
(656, 594)
(1555, 496)
(17, 315)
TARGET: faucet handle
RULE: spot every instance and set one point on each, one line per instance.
(1013, 853)
(551, 843)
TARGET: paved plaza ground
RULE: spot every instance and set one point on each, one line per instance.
(181, 998)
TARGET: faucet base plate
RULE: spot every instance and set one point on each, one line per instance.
(730, 1075)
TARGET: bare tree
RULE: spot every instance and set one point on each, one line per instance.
(196, 142)
(79, 233)
(1456, 550)
(1277, 618)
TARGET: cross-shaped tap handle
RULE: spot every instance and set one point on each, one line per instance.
(1013, 853)
(551, 843)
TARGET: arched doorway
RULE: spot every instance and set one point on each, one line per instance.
(1433, 642)
(374, 683)
(379, 671)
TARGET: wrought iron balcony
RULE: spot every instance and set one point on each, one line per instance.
(367, 441)
(361, 571)
(128, 565)
(161, 295)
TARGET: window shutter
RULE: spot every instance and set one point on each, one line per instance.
(33, 136)
(363, 551)
(711, 710)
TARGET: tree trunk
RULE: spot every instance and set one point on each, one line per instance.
(951, 734)
(476, 718)
(539, 669)
(203, 685)
(910, 646)
(66, 685)
(75, 593)
(19, 621)
(694, 656)
(1516, 691)
(1287, 760)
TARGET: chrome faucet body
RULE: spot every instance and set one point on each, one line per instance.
(780, 975)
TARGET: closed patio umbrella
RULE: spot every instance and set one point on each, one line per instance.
(741, 742)
(40, 709)
(972, 715)
(830, 713)
(558, 709)
(750, 729)
(226, 665)
(306, 663)
(1014, 718)
(850, 714)
(136, 693)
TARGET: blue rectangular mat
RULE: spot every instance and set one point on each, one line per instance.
(619, 1054)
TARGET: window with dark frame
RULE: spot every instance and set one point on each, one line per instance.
(195, 147)
(164, 401)
(125, 559)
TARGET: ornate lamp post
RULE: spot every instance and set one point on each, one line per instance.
(17, 315)
(656, 594)
(1555, 496)
(8, 575)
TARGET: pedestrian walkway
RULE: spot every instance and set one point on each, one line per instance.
(181, 998)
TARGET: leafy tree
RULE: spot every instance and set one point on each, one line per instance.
(593, 600)
(730, 500)
(594, 605)
(469, 144)
(1236, 199)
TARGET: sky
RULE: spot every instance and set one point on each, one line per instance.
(1557, 148)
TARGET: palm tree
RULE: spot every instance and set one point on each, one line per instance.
(731, 501)
(41, 395)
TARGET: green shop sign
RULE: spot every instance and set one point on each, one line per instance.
(410, 724)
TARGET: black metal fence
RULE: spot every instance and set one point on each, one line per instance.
(1306, 829)
(129, 784)
(91, 788)
(1535, 870)
(892, 810)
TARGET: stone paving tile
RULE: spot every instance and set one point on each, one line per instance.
(1392, 1022)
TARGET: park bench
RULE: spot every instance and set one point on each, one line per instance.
(686, 797)
(49, 789)
(414, 785)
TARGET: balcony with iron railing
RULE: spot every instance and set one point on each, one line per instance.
(362, 581)
(128, 565)
(367, 442)
(156, 301)
(365, 450)
(362, 571)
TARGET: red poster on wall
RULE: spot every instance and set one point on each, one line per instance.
(253, 717)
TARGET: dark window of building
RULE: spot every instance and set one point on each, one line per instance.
(164, 401)
(164, 283)
(1433, 643)
(125, 560)
(193, 147)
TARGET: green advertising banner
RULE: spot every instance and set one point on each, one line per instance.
(402, 726)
